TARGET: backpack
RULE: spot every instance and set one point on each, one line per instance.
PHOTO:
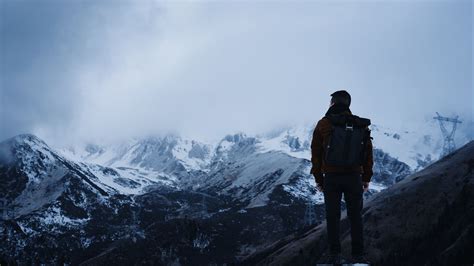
(347, 144)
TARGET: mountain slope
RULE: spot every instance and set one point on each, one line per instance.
(54, 210)
(69, 206)
(426, 219)
(240, 170)
(170, 154)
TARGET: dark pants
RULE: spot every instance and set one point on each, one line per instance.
(351, 186)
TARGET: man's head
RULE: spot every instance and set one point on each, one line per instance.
(341, 97)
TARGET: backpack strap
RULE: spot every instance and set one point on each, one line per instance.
(350, 120)
(347, 141)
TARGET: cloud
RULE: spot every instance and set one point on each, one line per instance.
(209, 68)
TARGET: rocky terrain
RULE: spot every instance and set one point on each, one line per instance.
(425, 219)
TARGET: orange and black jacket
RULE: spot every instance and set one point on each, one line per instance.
(320, 140)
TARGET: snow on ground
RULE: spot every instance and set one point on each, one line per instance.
(377, 187)
(109, 178)
(194, 155)
(302, 190)
(31, 149)
(223, 148)
(146, 177)
(128, 181)
(25, 228)
(294, 141)
(261, 173)
(150, 152)
(407, 146)
(54, 216)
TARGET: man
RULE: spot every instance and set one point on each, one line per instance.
(341, 165)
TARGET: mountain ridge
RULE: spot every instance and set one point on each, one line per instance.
(149, 185)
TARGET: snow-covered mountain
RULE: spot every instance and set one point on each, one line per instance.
(246, 167)
(93, 195)
(180, 160)
(169, 154)
(51, 201)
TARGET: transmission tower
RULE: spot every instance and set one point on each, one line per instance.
(309, 214)
(449, 145)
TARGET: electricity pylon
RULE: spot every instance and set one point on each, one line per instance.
(449, 145)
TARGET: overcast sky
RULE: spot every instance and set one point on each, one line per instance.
(94, 69)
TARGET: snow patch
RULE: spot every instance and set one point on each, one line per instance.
(53, 216)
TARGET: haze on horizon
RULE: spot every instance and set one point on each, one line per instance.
(104, 69)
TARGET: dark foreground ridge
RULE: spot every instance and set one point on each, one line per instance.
(426, 219)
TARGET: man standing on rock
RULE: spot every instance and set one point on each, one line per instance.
(341, 154)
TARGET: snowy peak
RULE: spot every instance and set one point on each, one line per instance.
(175, 155)
(235, 146)
(23, 145)
(29, 166)
(237, 160)
(29, 154)
(294, 141)
(169, 154)
(27, 138)
(32, 173)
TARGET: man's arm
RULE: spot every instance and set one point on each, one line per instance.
(316, 154)
(369, 163)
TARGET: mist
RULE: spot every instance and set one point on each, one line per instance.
(91, 70)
